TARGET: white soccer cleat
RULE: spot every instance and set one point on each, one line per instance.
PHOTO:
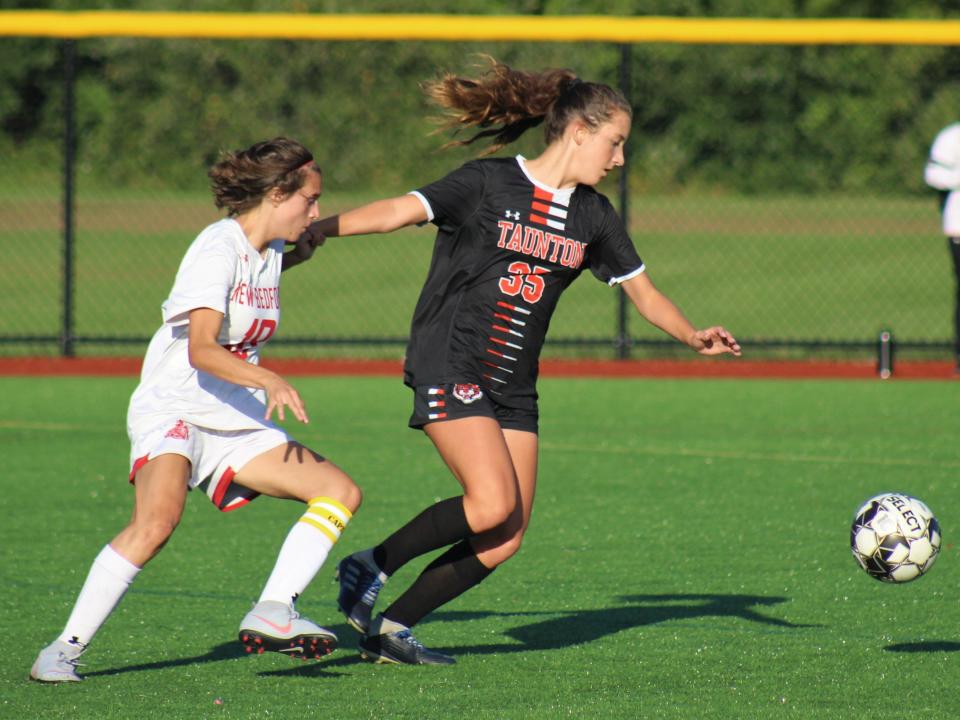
(58, 663)
(277, 627)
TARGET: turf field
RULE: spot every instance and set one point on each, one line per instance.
(688, 558)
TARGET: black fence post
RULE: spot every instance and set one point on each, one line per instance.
(69, 156)
(623, 338)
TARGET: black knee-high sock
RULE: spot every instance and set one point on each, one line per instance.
(439, 525)
(450, 575)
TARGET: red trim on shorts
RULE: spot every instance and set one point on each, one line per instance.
(137, 464)
(237, 504)
(222, 484)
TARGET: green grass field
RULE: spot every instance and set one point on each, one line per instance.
(820, 268)
(688, 558)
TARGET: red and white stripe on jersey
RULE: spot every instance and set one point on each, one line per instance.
(499, 341)
(513, 308)
(503, 318)
(547, 209)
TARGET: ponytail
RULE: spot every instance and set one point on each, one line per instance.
(504, 103)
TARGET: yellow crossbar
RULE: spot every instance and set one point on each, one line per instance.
(565, 28)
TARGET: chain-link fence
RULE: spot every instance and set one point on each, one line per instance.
(774, 189)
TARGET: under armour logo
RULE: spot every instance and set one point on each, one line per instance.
(513, 215)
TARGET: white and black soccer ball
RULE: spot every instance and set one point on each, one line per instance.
(895, 537)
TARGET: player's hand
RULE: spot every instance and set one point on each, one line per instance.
(309, 241)
(282, 394)
(715, 341)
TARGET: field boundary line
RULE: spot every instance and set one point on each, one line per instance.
(694, 368)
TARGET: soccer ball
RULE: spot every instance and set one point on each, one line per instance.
(895, 537)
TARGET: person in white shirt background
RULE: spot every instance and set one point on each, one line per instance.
(942, 173)
(201, 415)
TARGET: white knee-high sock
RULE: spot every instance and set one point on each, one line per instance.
(306, 549)
(108, 580)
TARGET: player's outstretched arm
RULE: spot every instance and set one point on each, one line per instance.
(657, 309)
(382, 216)
(303, 248)
(207, 355)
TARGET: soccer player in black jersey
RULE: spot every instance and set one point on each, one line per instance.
(512, 235)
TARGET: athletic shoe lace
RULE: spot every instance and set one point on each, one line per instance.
(373, 589)
(407, 637)
(64, 659)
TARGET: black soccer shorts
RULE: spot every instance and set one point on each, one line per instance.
(451, 401)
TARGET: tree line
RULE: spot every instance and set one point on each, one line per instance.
(744, 119)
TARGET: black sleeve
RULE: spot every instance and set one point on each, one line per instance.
(611, 255)
(455, 197)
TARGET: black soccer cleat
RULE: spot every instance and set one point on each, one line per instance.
(400, 648)
(359, 586)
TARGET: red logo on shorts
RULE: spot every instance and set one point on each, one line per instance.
(467, 393)
(180, 431)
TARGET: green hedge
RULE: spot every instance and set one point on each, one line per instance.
(748, 119)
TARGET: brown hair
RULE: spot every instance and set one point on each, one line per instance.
(242, 178)
(505, 103)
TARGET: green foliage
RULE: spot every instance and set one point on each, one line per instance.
(756, 119)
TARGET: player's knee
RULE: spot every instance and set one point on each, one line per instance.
(336, 485)
(350, 496)
(490, 511)
(152, 533)
(501, 548)
(509, 547)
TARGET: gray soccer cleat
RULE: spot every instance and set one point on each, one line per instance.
(277, 627)
(58, 662)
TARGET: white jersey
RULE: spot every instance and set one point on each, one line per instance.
(222, 271)
(943, 173)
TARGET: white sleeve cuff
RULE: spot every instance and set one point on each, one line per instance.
(941, 177)
(623, 278)
(426, 204)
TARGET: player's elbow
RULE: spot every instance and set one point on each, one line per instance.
(197, 355)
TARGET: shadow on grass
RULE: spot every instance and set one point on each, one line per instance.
(584, 626)
(232, 651)
(572, 627)
(225, 651)
(926, 646)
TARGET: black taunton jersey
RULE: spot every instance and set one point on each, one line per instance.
(506, 248)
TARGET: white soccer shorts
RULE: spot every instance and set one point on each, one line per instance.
(215, 456)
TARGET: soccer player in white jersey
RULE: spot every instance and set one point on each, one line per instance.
(942, 173)
(201, 415)
(512, 235)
